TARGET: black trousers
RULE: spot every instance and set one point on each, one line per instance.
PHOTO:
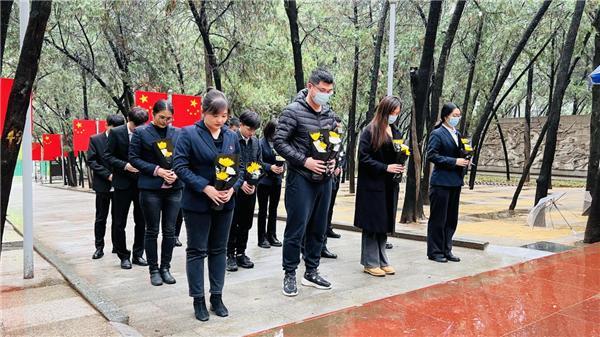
(178, 223)
(306, 204)
(443, 219)
(268, 201)
(206, 240)
(160, 205)
(334, 191)
(102, 208)
(243, 215)
(122, 200)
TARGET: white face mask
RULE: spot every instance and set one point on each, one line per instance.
(392, 119)
(321, 98)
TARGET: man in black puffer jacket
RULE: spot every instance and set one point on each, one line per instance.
(306, 197)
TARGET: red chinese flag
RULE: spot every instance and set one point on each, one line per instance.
(188, 110)
(51, 143)
(101, 126)
(36, 151)
(146, 100)
(83, 129)
(5, 87)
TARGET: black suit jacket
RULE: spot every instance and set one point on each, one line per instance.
(442, 151)
(117, 156)
(98, 164)
(268, 158)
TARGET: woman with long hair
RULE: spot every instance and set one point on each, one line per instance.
(207, 226)
(377, 192)
(445, 152)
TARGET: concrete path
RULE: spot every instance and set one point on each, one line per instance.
(63, 223)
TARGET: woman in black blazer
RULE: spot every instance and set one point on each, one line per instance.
(445, 151)
(377, 193)
(269, 190)
(207, 228)
(160, 190)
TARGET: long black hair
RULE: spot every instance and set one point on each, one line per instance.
(214, 101)
(269, 129)
(446, 111)
(161, 105)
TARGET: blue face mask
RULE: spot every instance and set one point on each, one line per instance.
(321, 98)
(453, 121)
(392, 119)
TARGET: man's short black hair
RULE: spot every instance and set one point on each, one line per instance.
(251, 119)
(138, 115)
(320, 75)
(233, 121)
(115, 120)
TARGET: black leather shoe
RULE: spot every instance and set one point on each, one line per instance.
(140, 261)
(452, 257)
(155, 278)
(274, 242)
(327, 254)
(332, 234)
(231, 264)
(388, 245)
(440, 259)
(98, 254)
(264, 244)
(200, 310)
(178, 243)
(166, 276)
(244, 261)
(125, 264)
(216, 305)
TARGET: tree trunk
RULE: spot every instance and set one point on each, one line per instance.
(592, 229)
(594, 159)
(436, 91)
(472, 65)
(562, 81)
(18, 101)
(84, 89)
(208, 73)
(352, 132)
(377, 61)
(527, 124)
(5, 9)
(291, 9)
(489, 106)
(202, 23)
(420, 82)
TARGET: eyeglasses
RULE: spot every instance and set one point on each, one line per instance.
(323, 90)
(164, 118)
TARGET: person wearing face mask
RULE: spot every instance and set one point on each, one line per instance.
(445, 152)
(306, 197)
(376, 190)
(160, 190)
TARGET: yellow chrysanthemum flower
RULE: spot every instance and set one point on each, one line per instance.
(464, 140)
(333, 134)
(222, 175)
(405, 149)
(322, 145)
(468, 148)
(398, 141)
(227, 162)
(315, 135)
(162, 145)
(253, 167)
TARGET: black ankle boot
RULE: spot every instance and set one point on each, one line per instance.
(155, 278)
(216, 305)
(200, 310)
(166, 276)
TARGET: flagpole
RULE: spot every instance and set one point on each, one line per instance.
(170, 95)
(391, 48)
(27, 163)
(97, 126)
(62, 160)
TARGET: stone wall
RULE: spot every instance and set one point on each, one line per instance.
(572, 149)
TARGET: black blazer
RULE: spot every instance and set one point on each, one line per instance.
(117, 155)
(268, 158)
(96, 162)
(194, 164)
(144, 158)
(376, 191)
(442, 151)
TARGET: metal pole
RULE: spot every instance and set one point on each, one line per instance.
(62, 160)
(391, 48)
(27, 163)
(97, 126)
(170, 95)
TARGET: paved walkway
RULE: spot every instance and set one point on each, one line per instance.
(63, 223)
(558, 295)
(45, 305)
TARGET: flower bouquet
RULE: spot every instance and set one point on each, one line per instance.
(326, 145)
(402, 153)
(254, 171)
(163, 149)
(466, 151)
(226, 166)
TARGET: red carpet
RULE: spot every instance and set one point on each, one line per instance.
(558, 295)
